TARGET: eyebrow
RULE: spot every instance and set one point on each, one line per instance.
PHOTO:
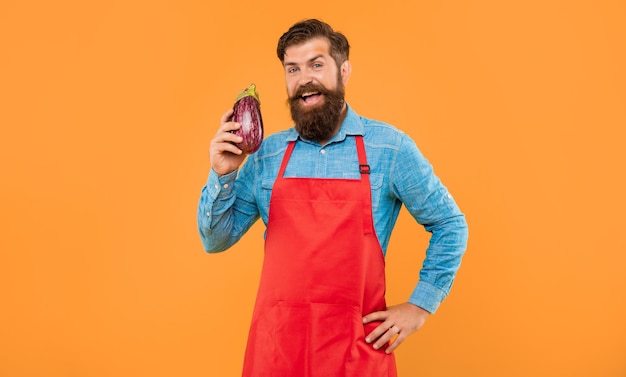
(308, 61)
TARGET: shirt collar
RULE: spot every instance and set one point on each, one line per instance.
(351, 125)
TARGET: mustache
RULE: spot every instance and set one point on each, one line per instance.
(310, 87)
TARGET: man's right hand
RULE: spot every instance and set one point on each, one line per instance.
(225, 156)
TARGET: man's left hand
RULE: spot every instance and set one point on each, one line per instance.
(401, 320)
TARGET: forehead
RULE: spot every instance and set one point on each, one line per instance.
(307, 50)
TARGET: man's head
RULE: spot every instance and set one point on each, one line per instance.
(315, 59)
(312, 28)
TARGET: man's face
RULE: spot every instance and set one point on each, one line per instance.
(315, 86)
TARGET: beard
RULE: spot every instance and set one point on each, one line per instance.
(318, 122)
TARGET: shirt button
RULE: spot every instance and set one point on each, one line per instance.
(208, 213)
(217, 186)
(323, 151)
(225, 185)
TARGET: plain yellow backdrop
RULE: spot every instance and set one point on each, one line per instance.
(107, 109)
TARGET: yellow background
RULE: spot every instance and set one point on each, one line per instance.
(107, 109)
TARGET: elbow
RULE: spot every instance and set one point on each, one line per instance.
(459, 224)
(453, 229)
(209, 243)
(212, 249)
(212, 245)
(456, 221)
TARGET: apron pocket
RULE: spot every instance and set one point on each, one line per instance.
(314, 338)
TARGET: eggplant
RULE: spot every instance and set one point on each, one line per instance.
(247, 112)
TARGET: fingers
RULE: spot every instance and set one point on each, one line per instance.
(224, 154)
(376, 316)
(224, 138)
(380, 329)
(399, 339)
(227, 125)
(224, 141)
(396, 324)
(383, 334)
(226, 116)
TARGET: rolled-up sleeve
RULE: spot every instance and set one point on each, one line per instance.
(226, 209)
(431, 205)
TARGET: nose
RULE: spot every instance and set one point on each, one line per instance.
(304, 78)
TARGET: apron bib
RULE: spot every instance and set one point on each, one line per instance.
(323, 270)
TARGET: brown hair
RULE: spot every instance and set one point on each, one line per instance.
(313, 28)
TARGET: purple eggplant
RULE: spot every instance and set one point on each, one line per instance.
(247, 112)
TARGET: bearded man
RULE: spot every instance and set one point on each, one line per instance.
(329, 191)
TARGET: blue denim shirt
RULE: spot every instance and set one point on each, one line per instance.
(230, 204)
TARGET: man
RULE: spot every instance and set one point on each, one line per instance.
(329, 191)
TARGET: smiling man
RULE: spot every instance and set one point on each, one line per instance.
(329, 191)
(315, 84)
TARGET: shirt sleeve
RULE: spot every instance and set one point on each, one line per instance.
(432, 206)
(227, 208)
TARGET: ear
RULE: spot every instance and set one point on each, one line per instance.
(346, 70)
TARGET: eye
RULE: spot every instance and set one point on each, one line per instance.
(292, 70)
(317, 65)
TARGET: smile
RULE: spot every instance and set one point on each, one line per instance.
(311, 98)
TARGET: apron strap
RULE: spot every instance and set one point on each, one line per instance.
(283, 164)
(364, 169)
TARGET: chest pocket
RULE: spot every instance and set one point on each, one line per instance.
(267, 184)
(266, 194)
(376, 181)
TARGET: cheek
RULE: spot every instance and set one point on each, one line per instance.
(329, 80)
(291, 87)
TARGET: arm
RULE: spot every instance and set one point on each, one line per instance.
(432, 206)
(227, 208)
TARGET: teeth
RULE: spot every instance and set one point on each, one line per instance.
(309, 94)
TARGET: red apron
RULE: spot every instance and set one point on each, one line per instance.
(323, 270)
